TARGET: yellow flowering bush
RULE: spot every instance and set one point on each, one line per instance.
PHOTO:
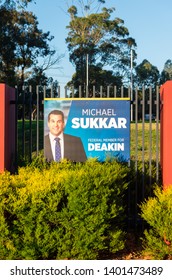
(157, 212)
(63, 210)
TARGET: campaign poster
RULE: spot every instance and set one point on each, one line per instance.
(102, 125)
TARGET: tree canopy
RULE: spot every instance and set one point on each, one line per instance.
(15, 3)
(100, 38)
(99, 47)
(166, 72)
(146, 74)
(22, 44)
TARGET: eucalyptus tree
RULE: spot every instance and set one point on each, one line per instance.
(99, 78)
(166, 73)
(24, 47)
(22, 43)
(98, 39)
(7, 43)
(15, 3)
(32, 42)
(147, 77)
(8, 10)
(146, 74)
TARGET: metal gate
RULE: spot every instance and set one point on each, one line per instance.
(145, 132)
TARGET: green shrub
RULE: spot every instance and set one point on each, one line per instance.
(157, 212)
(63, 210)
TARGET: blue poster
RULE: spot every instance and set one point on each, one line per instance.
(88, 128)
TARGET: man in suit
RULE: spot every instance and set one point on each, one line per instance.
(58, 145)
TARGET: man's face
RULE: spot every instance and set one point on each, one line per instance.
(55, 124)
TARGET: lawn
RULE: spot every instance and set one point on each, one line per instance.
(30, 137)
(145, 141)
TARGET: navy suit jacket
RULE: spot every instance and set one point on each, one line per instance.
(73, 148)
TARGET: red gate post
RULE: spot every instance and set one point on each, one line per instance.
(166, 134)
(7, 128)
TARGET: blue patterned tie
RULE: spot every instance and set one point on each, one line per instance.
(57, 149)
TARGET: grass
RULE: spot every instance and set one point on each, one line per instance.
(145, 144)
(27, 138)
